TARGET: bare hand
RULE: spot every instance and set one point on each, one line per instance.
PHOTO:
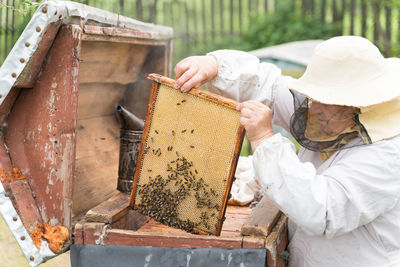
(195, 71)
(256, 119)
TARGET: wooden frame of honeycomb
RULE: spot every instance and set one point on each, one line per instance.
(187, 159)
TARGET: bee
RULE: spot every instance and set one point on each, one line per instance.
(183, 101)
(192, 131)
(149, 170)
(173, 133)
(195, 171)
(178, 103)
(183, 131)
(191, 146)
(156, 131)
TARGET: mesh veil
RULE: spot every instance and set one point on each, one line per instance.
(300, 120)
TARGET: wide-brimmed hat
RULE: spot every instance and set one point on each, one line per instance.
(350, 71)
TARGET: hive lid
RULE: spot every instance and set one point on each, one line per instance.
(187, 159)
(46, 154)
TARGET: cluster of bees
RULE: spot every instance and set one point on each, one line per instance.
(162, 195)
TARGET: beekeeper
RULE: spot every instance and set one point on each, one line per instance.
(341, 192)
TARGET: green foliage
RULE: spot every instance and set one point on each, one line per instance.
(287, 24)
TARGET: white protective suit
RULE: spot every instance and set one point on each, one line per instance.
(342, 212)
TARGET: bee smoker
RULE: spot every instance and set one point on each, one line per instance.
(130, 138)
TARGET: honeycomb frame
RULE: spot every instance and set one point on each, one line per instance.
(185, 199)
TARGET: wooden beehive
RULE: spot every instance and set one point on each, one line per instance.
(188, 156)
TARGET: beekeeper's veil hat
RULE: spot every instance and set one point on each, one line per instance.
(350, 71)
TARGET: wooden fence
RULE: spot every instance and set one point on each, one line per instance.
(203, 23)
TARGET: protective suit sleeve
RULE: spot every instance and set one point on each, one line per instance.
(242, 77)
(352, 192)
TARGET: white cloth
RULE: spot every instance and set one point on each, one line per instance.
(342, 212)
(246, 186)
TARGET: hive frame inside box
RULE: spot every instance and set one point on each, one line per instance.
(201, 227)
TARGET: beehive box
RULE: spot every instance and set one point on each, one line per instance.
(189, 151)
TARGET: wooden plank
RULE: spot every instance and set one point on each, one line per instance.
(153, 226)
(25, 204)
(263, 219)
(42, 128)
(93, 233)
(97, 157)
(253, 242)
(110, 210)
(78, 234)
(98, 99)
(99, 234)
(123, 39)
(111, 62)
(131, 238)
(96, 136)
(276, 243)
(100, 183)
(235, 217)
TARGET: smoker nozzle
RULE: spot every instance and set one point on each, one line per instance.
(129, 120)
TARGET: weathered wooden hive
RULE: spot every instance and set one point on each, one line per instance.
(58, 90)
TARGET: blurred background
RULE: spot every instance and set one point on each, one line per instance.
(204, 25)
(201, 26)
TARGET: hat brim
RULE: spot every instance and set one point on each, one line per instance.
(377, 90)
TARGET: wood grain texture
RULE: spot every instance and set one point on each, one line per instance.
(41, 132)
(235, 159)
(96, 171)
(276, 242)
(98, 99)
(124, 238)
(111, 62)
(25, 204)
(110, 210)
(262, 219)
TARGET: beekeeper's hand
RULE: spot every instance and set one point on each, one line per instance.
(195, 71)
(256, 119)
